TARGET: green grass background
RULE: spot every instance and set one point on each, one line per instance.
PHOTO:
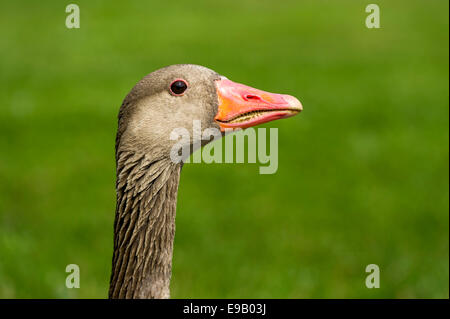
(363, 172)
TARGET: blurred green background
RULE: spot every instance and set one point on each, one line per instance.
(363, 172)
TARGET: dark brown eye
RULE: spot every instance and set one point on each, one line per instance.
(178, 87)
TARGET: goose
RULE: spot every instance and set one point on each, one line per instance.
(146, 177)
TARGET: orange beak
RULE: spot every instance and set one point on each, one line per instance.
(241, 106)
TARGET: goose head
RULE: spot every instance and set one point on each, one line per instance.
(169, 99)
(175, 96)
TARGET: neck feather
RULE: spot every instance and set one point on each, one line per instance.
(144, 227)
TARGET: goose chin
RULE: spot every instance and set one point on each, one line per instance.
(241, 106)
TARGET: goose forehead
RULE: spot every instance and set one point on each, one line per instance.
(191, 70)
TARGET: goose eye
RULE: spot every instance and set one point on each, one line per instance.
(178, 87)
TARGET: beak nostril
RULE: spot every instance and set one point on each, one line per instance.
(251, 97)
